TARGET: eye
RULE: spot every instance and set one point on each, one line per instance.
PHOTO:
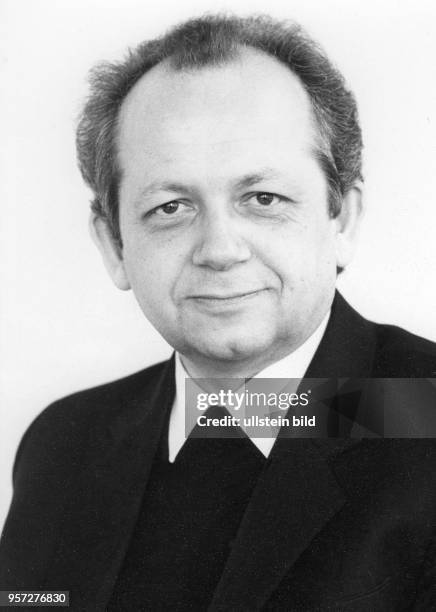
(266, 199)
(167, 209)
(267, 204)
(170, 213)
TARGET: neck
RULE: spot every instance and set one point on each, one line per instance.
(203, 367)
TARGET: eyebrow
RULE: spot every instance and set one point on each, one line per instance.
(162, 186)
(249, 180)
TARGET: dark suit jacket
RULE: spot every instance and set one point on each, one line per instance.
(333, 524)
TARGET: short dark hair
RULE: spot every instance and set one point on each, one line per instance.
(215, 40)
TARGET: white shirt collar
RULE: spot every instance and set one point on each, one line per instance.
(293, 365)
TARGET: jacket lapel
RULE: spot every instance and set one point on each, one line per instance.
(347, 347)
(100, 520)
(294, 498)
(297, 493)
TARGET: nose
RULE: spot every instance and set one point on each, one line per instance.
(221, 244)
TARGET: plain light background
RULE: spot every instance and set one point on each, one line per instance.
(63, 326)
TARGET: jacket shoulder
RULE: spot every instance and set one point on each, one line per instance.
(69, 425)
(400, 353)
(107, 398)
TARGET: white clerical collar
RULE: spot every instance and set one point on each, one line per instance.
(293, 365)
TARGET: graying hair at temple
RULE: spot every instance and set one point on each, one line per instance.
(215, 40)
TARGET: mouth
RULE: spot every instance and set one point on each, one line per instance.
(222, 300)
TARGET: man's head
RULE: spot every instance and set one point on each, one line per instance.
(225, 161)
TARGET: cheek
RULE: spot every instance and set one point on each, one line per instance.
(141, 266)
(301, 257)
(153, 268)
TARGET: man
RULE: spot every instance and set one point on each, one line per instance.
(225, 160)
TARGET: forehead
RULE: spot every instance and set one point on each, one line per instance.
(252, 101)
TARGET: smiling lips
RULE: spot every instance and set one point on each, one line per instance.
(225, 299)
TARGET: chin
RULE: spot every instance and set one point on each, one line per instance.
(229, 349)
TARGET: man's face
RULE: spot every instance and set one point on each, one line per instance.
(227, 241)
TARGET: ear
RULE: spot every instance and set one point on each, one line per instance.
(110, 251)
(348, 224)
